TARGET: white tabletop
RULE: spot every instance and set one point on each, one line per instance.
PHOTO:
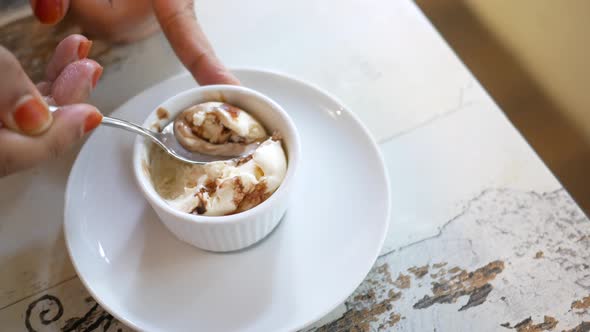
(467, 190)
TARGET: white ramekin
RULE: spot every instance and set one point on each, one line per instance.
(233, 232)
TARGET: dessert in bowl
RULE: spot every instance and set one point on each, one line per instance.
(223, 205)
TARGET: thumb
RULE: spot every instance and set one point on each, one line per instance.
(70, 123)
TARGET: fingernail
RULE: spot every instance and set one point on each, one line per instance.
(32, 115)
(84, 49)
(92, 121)
(96, 76)
(48, 11)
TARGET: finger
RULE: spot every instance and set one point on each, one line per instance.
(50, 11)
(179, 23)
(75, 82)
(21, 106)
(71, 122)
(44, 88)
(72, 48)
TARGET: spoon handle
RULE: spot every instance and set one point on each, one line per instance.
(122, 124)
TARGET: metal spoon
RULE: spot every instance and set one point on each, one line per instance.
(167, 141)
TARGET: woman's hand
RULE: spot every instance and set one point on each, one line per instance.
(128, 20)
(29, 133)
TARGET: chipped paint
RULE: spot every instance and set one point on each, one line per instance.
(477, 297)
(526, 325)
(360, 321)
(369, 296)
(454, 270)
(370, 309)
(474, 284)
(438, 273)
(539, 254)
(419, 272)
(581, 304)
(582, 327)
(393, 319)
(403, 281)
(439, 265)
(384, 270)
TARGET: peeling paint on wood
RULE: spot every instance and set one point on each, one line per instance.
(438, 273)
(582, 327)
(500, 289)
(439, 265)
(477, 297)
(581, 304)
(549, 323)
(527, 325)
(512, 282)
(419, 272)
(370, 309)
(455, 269)
(403, 281)
(475, 284)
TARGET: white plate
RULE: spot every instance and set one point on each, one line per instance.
(321, 251)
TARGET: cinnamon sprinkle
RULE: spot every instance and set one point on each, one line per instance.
(239, 191)
(243, 160)
(233, 111)
(253, 198)
(162, 113)
(201, 207)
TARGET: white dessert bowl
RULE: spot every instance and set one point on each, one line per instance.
(236, 231)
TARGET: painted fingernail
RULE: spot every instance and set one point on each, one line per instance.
(96, 76)
(92, 121)
(84, 49)
(32, 115)
(48, 11)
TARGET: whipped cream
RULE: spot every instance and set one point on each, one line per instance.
(224, 187)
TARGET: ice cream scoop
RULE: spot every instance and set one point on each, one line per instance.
(219, 129)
